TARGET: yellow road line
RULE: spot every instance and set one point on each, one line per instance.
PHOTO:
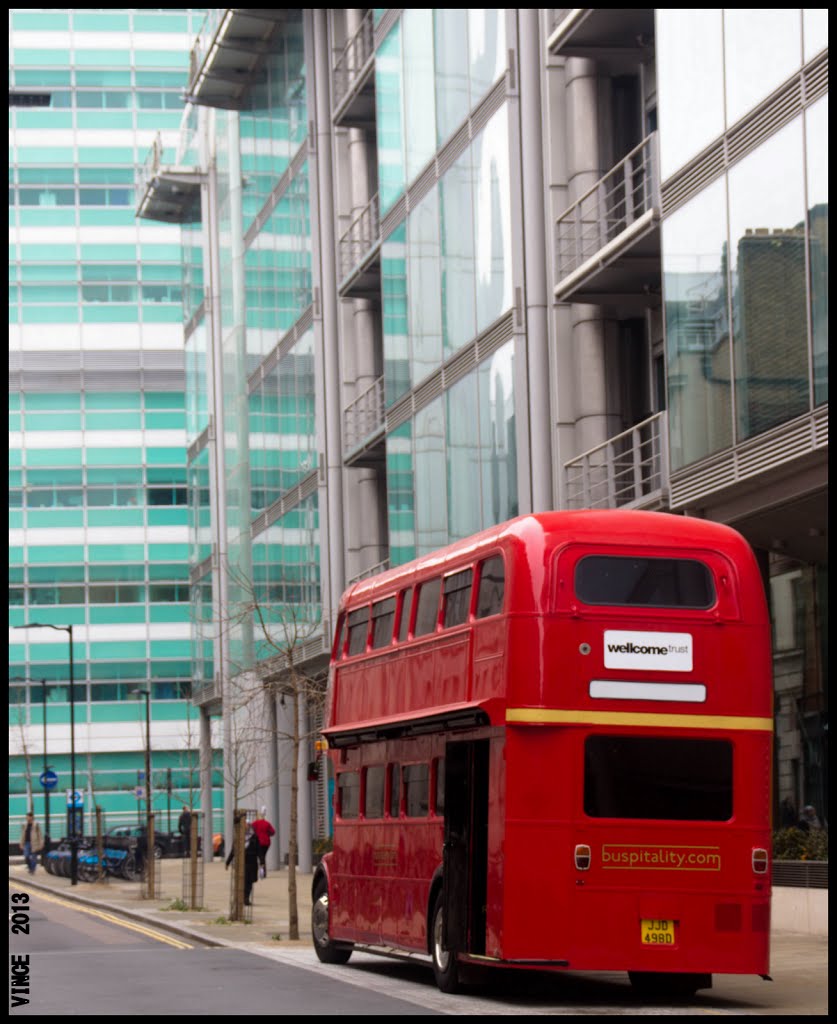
(131, 925)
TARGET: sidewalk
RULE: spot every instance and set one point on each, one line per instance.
(208, 926)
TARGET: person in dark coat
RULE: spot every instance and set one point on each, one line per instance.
(251, 863)
(184, 827)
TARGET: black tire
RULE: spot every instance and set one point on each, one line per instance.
(445, 966)
(158, 851)
(328, 952)
(129, 869)
(660, 985)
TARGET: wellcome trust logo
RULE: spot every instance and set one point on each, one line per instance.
(667, 652)
(662, 858)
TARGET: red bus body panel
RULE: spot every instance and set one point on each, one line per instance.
(536, 680)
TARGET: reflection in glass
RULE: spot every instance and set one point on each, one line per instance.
(498, 446)
(487, 48)
(395, 318)
(689, 48)
(767, 248)
(492, 219)
(450, 30)
(750, 35)
(816, 136)
(431, 511)
(401, 495)
(458, 259)
(420, 133)
(424, 289)
(390, 127)
(697, 327)
(286, 580)
(815, 30)
(463, 463)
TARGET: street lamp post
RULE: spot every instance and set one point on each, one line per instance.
(73, 834)
(149, 830)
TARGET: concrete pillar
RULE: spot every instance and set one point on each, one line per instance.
(535, 254)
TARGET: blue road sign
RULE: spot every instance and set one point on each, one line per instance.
(49, 780)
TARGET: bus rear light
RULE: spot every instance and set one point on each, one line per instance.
(582, 857)
(760, 861)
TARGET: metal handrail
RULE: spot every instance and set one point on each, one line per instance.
(364, 416)
(613, 204)
(628, 469)
(353, 58)
(373, 570)
(362, 234)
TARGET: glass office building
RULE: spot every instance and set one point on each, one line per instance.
(98, 514)
(442, 267)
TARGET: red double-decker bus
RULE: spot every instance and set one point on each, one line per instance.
(552, 749)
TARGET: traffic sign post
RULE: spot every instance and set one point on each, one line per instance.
(48, 779)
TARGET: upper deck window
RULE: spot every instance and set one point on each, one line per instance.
(358, 628)
(383, 617)
(492, 585)
(427, 610)
(458, 597)
(404, 620)
(644, 582)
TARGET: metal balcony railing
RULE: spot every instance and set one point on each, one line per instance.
(373, 570)
(150, 168)
(363, 233)
(614, 204)
(365, 416)
(630, 469)
(353, 58)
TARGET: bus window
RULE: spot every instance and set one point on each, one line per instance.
(394, 790)
(383, 617)
(457, 597)
(373, 799)
(406, 604)
(644, 582)
(358, 628)
(667, 779)
(339, 638)
(492, 586)
(439, 802)
(416, 779)
(348, 794)
(427, 610)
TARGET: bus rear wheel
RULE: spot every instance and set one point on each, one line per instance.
(661, 985)
(445, 967)
(327, 951)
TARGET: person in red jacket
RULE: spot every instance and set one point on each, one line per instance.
(264, 830)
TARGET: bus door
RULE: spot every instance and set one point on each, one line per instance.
(465, 856)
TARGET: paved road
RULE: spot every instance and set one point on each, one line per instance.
(86, 962)
(99, 962)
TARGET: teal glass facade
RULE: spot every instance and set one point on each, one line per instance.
(98, 486)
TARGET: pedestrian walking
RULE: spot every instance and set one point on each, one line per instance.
(31, 841)
(264, 830)
(184, 827)
(251, 864)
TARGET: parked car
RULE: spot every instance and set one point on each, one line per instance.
(166, 844)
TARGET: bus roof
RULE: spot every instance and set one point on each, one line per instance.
(624, 526)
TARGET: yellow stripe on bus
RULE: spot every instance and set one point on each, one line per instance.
(551, 716)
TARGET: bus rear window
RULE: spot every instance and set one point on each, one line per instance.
(348, 794)
(658, 778)
(644, 582)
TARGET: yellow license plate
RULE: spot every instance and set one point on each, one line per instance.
(656, 933)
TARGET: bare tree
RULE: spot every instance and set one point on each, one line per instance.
(284, 634)
(20, 721)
